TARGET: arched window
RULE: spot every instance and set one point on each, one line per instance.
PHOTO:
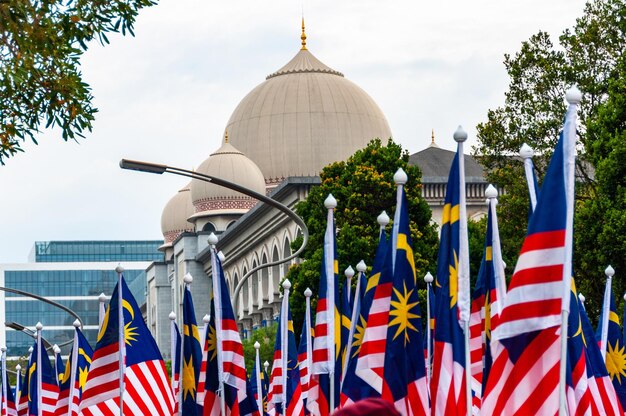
(230, 224)
(255, 285)
(245, 291)
(265, 278)
(276, 271)
(209, 227)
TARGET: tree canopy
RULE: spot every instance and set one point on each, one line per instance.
(363, 186)
(41, 43)
(590, 56)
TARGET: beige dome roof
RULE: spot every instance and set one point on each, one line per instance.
(175, 214)
(303, 117)
(229, 164)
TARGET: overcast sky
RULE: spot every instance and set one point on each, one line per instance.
(166, 95)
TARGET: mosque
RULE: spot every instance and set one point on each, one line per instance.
(280, 136)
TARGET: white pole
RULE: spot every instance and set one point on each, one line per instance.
(356, 310)
(573, 97)
(102, 308)
(284, 340)
(257, 369)
(329, 252)
(218, 320)
(173, 352)
(400, 178)
(18, 384)
(38, 368)
(309, 342)
(3, 349)
(121, 340)
(429, 281)
(526, 152)
(606, 311)
(73, 367)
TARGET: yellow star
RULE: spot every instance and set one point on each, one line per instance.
(616, 361)
(129, 333)
(358, 334)
(82, 376)
(189, 379)
(212, 344)
(454, 280)
(401, 313)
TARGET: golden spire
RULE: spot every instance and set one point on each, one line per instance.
(432, 137)
(303, 36)
(226, 136)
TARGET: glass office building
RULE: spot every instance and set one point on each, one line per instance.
(73, 274)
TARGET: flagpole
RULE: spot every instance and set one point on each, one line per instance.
(218, 320)
(73, 366)
(330, 203)
(429, 280)
(173, 338)
(606, 311)
(463, 299)
(257, 369)
(102, 308)
(498, 264)
(57, 352)
(284, 343)
(573, 97)
(309, 342)
(356, 306)
(5, 401)
(121, 345)
(38, 367)
(18, 384)
(400, 178)
(527, 153)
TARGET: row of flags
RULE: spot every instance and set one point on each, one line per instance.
(525, 349)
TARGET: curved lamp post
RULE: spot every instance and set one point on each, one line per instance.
(43, 299)
(160, 169)
(33, 334)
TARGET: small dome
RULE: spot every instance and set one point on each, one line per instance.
(229, 164)
(303, 117)
(175, 214)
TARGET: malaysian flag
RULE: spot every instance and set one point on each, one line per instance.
(43, 389)
(448, 383)
(604, 397)
(490, 288)
(8, 401)
(222, 355)
(73, 379)
(353, 387)
(22, 403)
(146, 385)
(285, 394)
(255, 385)
(527, 340)
(305, 351)
(609, 337)
(404, 370)
(326, 371)
(59, 367)
(192, 355)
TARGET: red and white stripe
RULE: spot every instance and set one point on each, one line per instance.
(579, 397)
(49, 397)
(9, 410)
(448, 388)
(22, 407)
(477, 350)
(201, 390)
(103, 380)
(146, 392)
(530, 386)
(303, 365)
(275, 391)
(533, 301)
(232, 355)
(371, 361)
(603, 397)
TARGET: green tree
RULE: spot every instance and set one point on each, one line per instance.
(533, 111)
(41, 43)
(363, 186)
(266, 337)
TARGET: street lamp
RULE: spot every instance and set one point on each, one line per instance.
(160, 169)
(43, 299)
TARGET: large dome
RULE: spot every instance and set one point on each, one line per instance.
(303, 117)
(229, 164)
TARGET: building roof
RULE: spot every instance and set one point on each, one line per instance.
(435, 162)
(175, 214)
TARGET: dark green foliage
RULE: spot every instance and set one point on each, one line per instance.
(41, 43)
(587, 55)
(266, 337)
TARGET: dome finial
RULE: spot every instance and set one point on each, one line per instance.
(226, 136)
(303, 36)
(432, 137)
